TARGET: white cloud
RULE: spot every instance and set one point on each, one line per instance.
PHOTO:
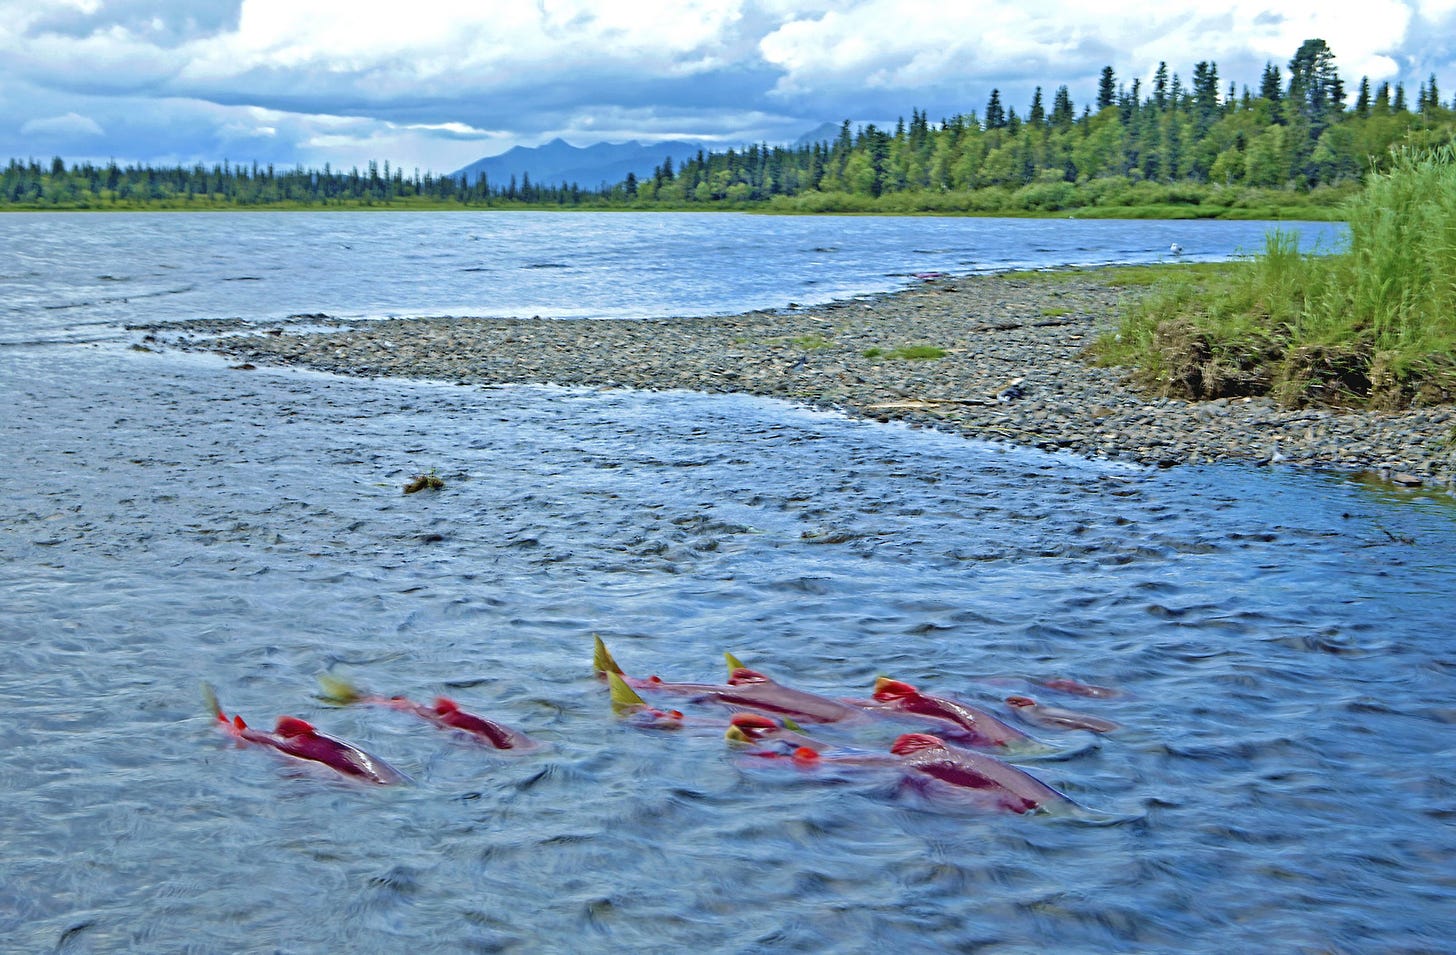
(489, 44)
(433, 80)
(69, 126)
(910, 44)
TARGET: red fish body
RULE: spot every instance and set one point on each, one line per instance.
(921, 758)
(975, 726)
(746, 689)
(750, 690)
(446, 713)
(1005, 786)
(1053, 717)
(297, 738)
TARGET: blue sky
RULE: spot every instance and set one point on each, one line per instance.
(435, 84)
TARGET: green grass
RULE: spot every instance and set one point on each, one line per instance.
(907, 353)
(1372, 325)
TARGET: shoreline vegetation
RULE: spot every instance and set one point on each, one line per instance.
(1371, 326)
(1288, 150)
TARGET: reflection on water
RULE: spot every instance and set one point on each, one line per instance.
(1282, 642)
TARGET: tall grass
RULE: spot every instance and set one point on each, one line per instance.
(1373, 324)
(1398, 279)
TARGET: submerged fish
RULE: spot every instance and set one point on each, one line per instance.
(445, 713)
(297, 738)
(972, 724)
(929, 763)
(1053, 717)
(755, 728)
(1078, 688)
(745, 689)
(1000, 784)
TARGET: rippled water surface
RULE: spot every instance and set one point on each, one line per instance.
(1282, 640)
(82, 275)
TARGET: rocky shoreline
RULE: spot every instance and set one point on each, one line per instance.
(1010, 368)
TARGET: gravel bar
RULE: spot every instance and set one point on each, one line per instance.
(1013, 370)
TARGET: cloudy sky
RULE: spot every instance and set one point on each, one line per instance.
(435, 84)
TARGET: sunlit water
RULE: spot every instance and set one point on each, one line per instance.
(1284, 779)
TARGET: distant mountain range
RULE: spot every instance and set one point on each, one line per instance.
(558, 163)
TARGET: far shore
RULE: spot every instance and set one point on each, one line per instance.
(997, 358)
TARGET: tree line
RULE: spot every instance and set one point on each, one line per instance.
(1296, 135)
(88, 185)
(1295, 139)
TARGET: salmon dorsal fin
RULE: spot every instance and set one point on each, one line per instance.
(291, 726)
(914, 743)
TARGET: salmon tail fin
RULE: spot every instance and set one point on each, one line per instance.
(209, 697)
(792, 725)
(623, 696)
(602, 660)
(733, 663)
(338, 691)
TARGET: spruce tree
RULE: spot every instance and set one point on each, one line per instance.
(1271, 85)
(995, 112)
(1106, 89)
(1315, 88)
(1063, 115)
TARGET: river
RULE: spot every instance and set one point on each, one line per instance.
(1280, 641)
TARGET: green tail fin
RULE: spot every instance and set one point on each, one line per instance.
(602, 659)
(733, 663)
(337, 691)
(209, 696)
(791, 725)
(623, 696)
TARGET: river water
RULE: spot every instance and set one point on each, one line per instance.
(1281, 640)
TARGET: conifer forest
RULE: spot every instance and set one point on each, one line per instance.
(1297, 142)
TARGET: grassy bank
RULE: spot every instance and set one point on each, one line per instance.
(1108, 198)
(1372, 325)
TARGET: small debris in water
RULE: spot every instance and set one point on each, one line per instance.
(422, 482)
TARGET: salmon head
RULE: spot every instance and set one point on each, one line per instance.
(743, 676)
(888, 690)
(750, 728)
(1020, 701)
